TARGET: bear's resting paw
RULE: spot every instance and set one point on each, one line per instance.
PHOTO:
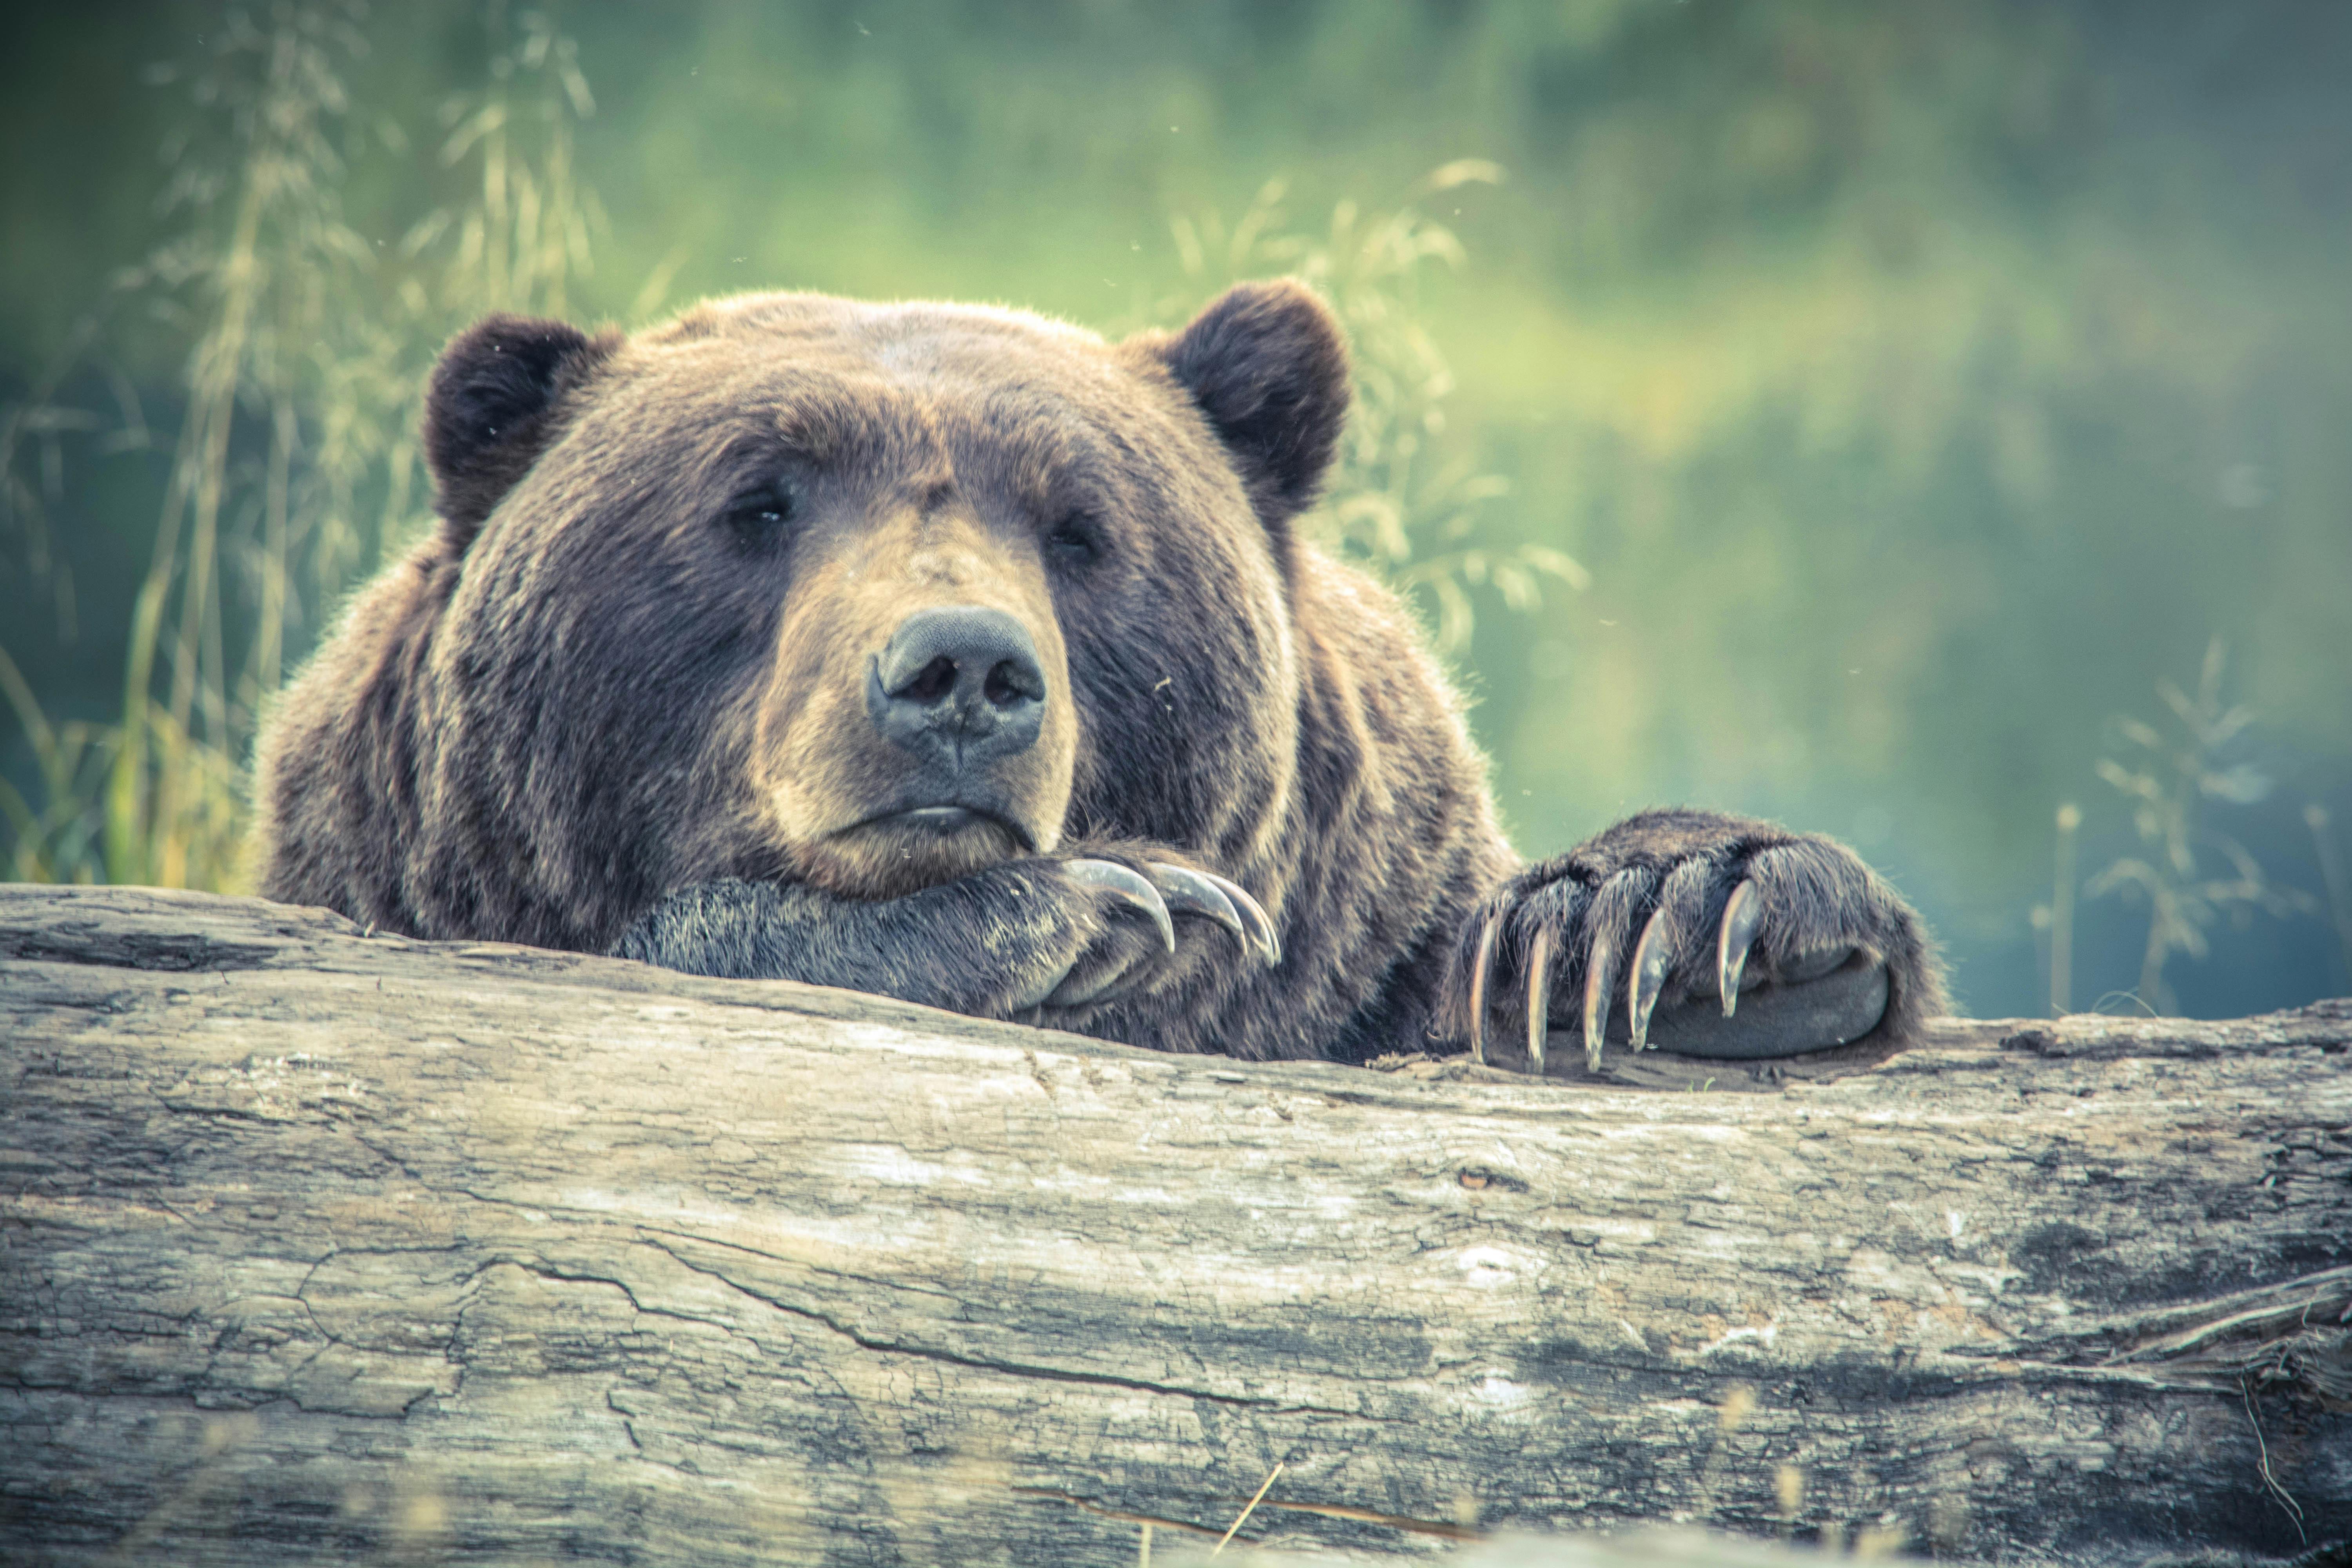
(1699, 934)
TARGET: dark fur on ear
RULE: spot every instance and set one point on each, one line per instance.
(485, 414)
(1268, 366)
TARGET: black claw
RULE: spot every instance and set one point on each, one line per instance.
(1254, 915)
(1654, 955)
(1538, 997)
(1482, 970)
(1133, 886)
(1599, 974)
(1741, 916)
(1189, 893)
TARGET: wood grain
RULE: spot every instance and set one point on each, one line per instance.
(320, 1242)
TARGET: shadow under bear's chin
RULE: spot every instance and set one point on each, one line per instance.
(891, 856)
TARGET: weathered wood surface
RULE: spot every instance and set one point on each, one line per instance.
(320, 1244)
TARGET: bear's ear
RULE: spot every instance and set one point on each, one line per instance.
(1268, 366)
(485, 410)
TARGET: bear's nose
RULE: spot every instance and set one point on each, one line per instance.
(961, 683)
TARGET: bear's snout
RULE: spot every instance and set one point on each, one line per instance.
(957, 685)
(917, 723)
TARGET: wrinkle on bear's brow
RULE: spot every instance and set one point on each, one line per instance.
(937, 492)
(939, 410)
(1037, 449)
(816, 424)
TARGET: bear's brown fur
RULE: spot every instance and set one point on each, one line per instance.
(648, 688)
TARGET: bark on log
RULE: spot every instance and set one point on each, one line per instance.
(321, 1242)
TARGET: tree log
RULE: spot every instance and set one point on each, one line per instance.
(320, 1241)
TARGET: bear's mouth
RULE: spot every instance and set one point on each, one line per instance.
(892, 853)
(947, 822)
(920, 845)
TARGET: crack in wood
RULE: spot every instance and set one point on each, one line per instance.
(1015, 1369)
(2177, 1346)
(1436, 1528)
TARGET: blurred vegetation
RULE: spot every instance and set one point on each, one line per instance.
(296, 459)
(2167, 777)
(1398, 504)
(1916, 385)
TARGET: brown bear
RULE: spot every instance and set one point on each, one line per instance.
(959, 655)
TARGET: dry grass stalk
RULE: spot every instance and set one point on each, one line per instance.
(295, 465)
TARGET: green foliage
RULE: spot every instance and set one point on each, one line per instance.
(2167, 778)
(295, 465)
(63, 839)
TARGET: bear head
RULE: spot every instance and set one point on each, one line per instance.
(868, 595)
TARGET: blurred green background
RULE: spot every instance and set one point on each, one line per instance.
(1943, 405)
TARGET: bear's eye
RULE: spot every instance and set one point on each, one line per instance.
(1076, 539)
(761, 515)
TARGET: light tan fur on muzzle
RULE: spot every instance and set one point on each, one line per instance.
(829, 782)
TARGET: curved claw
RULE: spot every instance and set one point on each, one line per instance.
(1598, 973)
(1741, 916)
(1482, 968)
(1538, 997)
(1133, 886)
(1253, 915)
(1189, 893)
(1653, 956)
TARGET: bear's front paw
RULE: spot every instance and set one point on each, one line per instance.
(1724, 936)
(1058, 935)
(1111, 961)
